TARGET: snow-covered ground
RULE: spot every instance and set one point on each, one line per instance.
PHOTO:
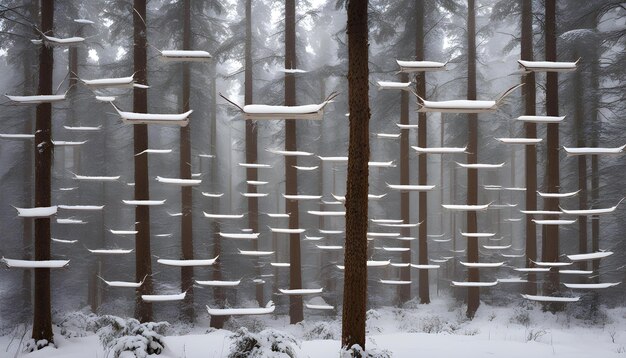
(436, 330)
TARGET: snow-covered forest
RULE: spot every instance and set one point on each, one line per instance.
(315, 178)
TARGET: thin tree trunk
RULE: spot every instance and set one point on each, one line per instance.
(355, 274)
(551, 253)
(579, 119)
(530, 150)
(186, 227)
(404, 291)
(291, 175)
(424, 285)
(595, 172)
(143, 257)
(42, 319)
(251, 148)
(473, 293)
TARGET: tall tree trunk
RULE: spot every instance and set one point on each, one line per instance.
(251, 149)
(551, 252)
(596, 128)
(186, 227)
(143, 256)
(424, 285)
(473, 293)
(530, 150)
(355, 274)
(42, 320)
(218, 292)
(579, 119)
(291, 184)
(404, 291)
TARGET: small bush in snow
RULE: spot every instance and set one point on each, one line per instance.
(252, 323)
(357, 352)
(521, 316)
(321, 330)
(432, 324)
(129, 338)
(535, 335)
(269, 343)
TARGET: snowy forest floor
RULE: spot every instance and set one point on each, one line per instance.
(436, 330)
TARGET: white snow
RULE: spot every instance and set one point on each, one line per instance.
(333, 159)
(459, 207)
(382, 85)
(123, 232)
(396, 249)
(420, 66)
(398, 224)
(122, 283)
(326, 213)
(302, 197)
(541, 119)
(154, 118)
(300, 291)
(425, 266)
(481, 264)
(144, 202)
(590, 256)
(36, 99)
(239, 235)
(322, 231)
(550, 298)
(278, 215)
(255, 253)
(61, 241)
(61, 143)
(410, 187)
(212, 195)
(591, 286)
(256, 182)
(548, 66)
(383, 234)
(524, 141)
(558, 195)
(155, 151)
(118, 82)
(217, 283)
(388, 135)
(105, 98)
(17, 136)
(110, 251)
(329, 247)
(480, 165)
(81, 207)
(407, 126)
(185, 55)
(179, 181)
(478, 234)
(187, 263)
(222, 216)
(292, 153)
(254, 165)
(286, 230)
(439, 150)
(13, 263)
(68, 41)
(164, 298)
(474, 284)
(96, 178)
(394, 282)
(313, 238)
(83, 129)
(593, 151)
(305, 168)
(280, 264)
(388, 164)
(553, 222)
(39, 212)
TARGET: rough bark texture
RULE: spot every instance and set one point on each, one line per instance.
(530, 150)
(596, 128)
(424, 285)
(251, 149)
(355, 274)
(42, 319)
(404, 291)
(473, 293)
(291, 175)
(143, 257)
(551, 252)
(186, 226)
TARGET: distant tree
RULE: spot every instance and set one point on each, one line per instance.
(355, 274)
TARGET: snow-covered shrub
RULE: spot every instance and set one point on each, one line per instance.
(521, 315)
(322, 330)
(252, 323)
(589, 311)
(269, 343)
(432, 324)
(371, 322)
(129, 338)
(535, 335)
(357, 352)
(77, 323)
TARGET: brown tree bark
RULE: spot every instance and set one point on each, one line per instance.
(551, 252)
(42, 319)
(404, 291)
(473, 293)
(424, 285)
(291, 175)
(143, 257)
(252, 148)
(530, 150)
(186, 226)
(355, 274)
